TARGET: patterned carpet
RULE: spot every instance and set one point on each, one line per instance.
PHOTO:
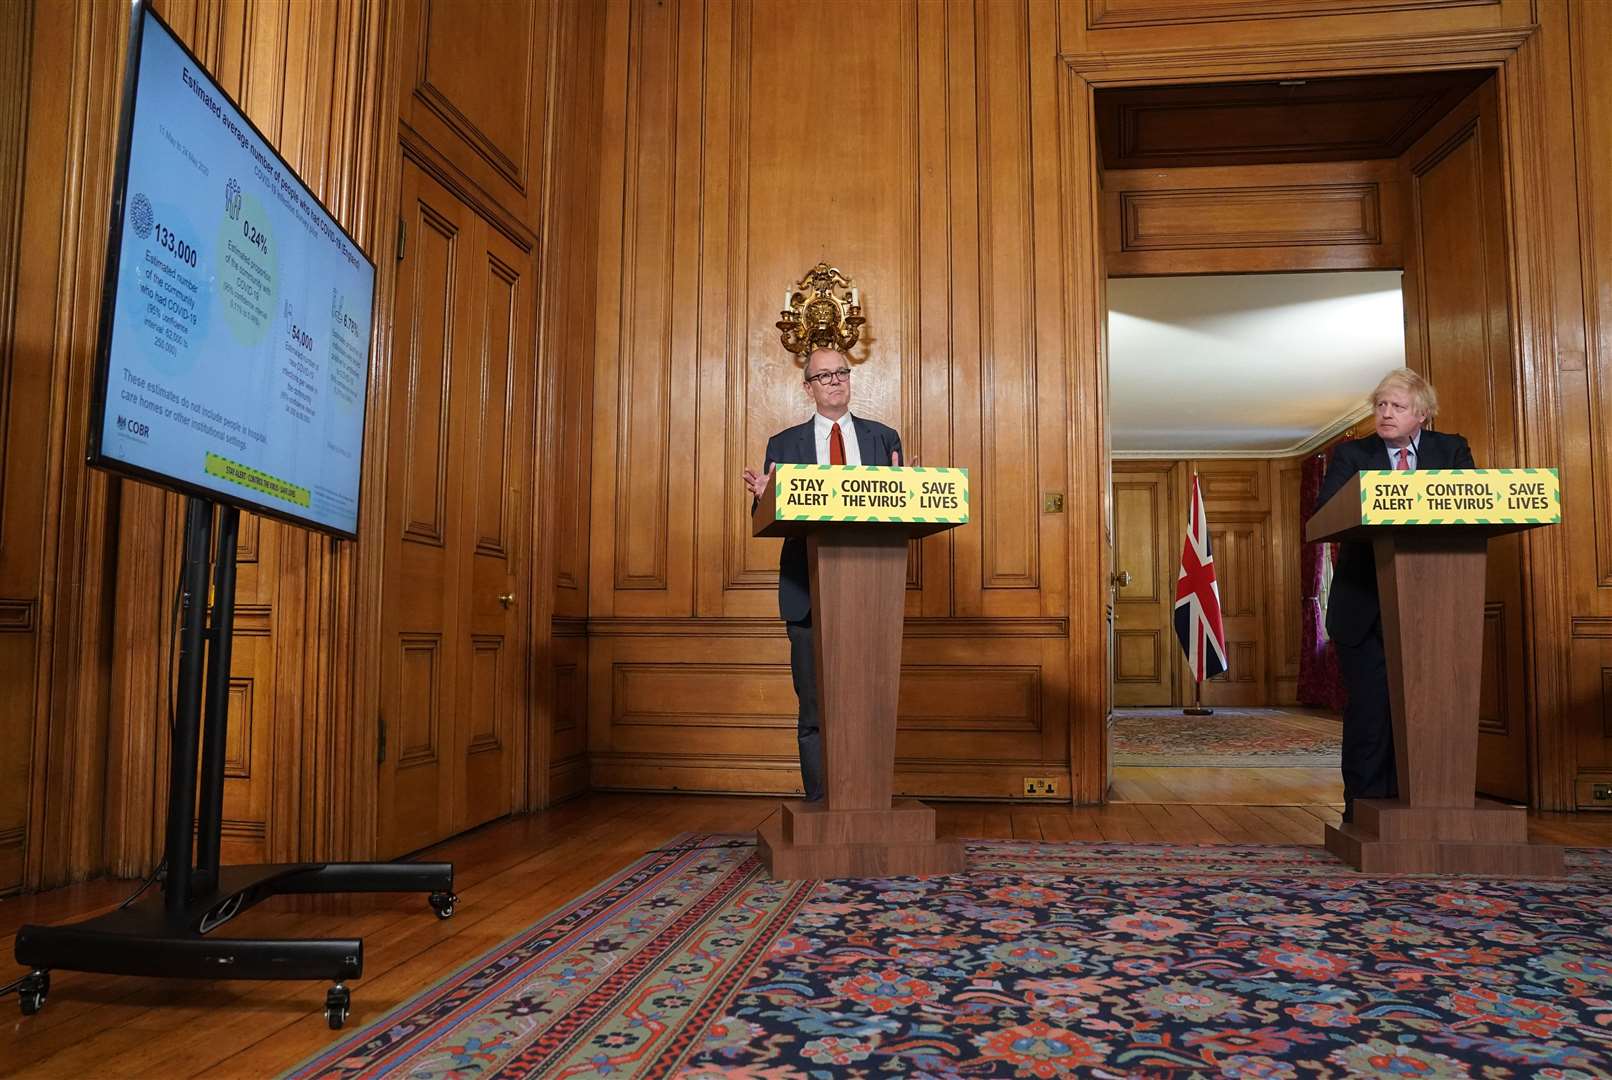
(1245, 738)
(1092, 959)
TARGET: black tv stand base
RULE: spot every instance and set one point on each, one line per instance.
(145, 939)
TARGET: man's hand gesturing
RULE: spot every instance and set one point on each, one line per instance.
(757, 482)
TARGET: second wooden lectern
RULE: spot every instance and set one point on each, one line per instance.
(856, 522)
(1430, 532)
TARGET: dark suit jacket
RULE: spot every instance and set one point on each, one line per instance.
(1352, 609)
(798, 446)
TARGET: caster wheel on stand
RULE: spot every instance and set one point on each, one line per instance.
(442, 903)
(31, 992)
(338, 1001)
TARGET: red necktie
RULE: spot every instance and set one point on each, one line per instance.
(836, 446)
(1404, 459)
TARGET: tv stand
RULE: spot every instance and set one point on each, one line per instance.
(170, 934)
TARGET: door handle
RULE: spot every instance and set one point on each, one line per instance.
(1120, 580)
(507, 599)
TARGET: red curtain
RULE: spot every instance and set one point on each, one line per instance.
(1320, 684)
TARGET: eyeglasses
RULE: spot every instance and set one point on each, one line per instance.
(823, 378)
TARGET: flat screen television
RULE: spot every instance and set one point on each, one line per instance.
(232, 360)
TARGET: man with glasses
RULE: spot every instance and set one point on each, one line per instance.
(831, 437)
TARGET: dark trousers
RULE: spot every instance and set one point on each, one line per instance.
(803, 667)
(1368, 727)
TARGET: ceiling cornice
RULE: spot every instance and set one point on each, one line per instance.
(1314, 442)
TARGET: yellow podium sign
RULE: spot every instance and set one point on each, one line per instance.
(1460, 497)
(871, 493)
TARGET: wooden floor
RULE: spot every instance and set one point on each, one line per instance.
(1227, 786)
(508, 874)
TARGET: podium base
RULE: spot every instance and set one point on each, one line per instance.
(809, 842)
(1488, 839)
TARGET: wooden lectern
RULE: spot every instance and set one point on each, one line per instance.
(1430, 583)
(858, 583)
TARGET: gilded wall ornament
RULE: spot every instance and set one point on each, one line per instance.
(822, 311)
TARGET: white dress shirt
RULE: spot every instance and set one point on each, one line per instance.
(1410, 461)
(823, 427)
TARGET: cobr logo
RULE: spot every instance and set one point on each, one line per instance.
(134, 427)
(141, 216)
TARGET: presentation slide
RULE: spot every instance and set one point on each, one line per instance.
(240, 336)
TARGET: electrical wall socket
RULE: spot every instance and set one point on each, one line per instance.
(1040, 785)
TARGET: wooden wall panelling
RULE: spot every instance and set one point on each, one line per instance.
(641, 536)
(348, 681)
(1142, 26)
(1271, 122)
(557, 755)
(1084, 324)
(736, 575)
(763, 237)
(1573, 57)
(570, 286)
(919, 69)
(476, 86)
(1457, 264)
(1590, 665)
(19, 568)
(57, 513)
(717, 713)
(1232, 484)
(1287, 593)
(566, 758)
(1590, 441)
(942, 30)
(1241, 549)
(1011, 435)
(1252, 218)
(977, 715)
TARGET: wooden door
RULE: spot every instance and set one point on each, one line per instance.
(492, 654)
(1239, 547)
(1144, 657)
(1458, 334)
(453, 678)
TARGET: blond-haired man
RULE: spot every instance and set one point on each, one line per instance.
(1402, 402)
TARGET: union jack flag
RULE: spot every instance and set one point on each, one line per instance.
(1197, 598)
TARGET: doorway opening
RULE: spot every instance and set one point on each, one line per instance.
(1271, 250)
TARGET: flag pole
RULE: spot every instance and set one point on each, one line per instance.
(1197, 708)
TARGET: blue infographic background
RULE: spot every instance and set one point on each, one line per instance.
(241, 331)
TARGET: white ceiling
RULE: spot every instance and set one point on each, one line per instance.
(1260, 364)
